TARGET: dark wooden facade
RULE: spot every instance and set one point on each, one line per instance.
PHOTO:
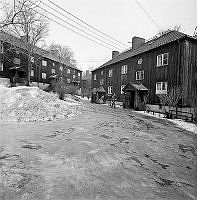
(181, 70)
(15, 57)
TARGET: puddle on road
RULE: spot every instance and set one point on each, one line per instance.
(105, 136)
(31, 146)
(186, 148)
(125, 140)
(164, 182)
(8, 156)
(164, 166)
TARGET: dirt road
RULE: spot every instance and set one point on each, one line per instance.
(102, 154)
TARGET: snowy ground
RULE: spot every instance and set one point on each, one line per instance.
(101, 154)
(179, 122)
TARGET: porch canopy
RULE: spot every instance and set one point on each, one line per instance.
(134, 86)
(101, 89)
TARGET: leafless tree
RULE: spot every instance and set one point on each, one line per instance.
(64, 53)
(172, 98)
(24, 21)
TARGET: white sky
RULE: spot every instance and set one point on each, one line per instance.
(121, 19)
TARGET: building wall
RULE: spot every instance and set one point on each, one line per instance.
(181, 70)
(8, 55)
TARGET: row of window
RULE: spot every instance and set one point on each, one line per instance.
(44, 74)
(161, 88)
(162, 60)
(139, 76)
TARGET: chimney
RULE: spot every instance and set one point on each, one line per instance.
(114, 54)
(137, 42)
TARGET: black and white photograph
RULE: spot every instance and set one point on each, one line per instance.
(98, 99)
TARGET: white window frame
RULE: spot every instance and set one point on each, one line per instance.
(44, 63)
(32, 59)
(74, 76)
(161, 87)
(44, 75)
(101, 81)
(124, 69)
(68, 80)
(79, 74)
(110, 72)
(53, 64)
(68, 71)
(61, 68)
(94, 77)
(139, 75)
(53, 71)
(162, 59)
(1, 47)
(1, 66)
(109, 89)
(32, 73)
(102, 73)
(121, 87)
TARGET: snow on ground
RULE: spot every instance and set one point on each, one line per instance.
(32, 104)
(185, 125)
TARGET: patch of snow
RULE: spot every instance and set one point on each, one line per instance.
(179, 122)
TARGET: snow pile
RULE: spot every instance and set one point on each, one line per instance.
(32, 104)
(179, 122)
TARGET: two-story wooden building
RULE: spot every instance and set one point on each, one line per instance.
(152, 68)
(44, 65)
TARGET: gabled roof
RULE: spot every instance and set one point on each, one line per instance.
(133, 86)
(15, 41)
(166, 38)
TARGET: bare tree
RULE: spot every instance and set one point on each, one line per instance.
(25, 22)
(172, 98)
(64, 53)
(65, 56)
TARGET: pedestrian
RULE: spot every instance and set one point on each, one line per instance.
(113, 99)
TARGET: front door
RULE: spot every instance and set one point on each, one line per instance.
(132, 99)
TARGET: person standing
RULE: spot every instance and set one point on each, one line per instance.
(113, 99)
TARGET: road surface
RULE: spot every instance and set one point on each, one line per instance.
(102, 154)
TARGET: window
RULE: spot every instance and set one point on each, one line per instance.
(140, 75)
(73, 71)
(32, 72)
(122, 86)
(73, 76)
(17, 61)
(53, 71)
(162, 59)
(161, 87)
(44, 76)
(53, 64)
(101, 81)
(61, 68)
(44, 63)
(1, 48)
(102, 73)
(110, 90)
(68, 80)
(68, 71)
(78, 73)
(1, 66)
(32, 59)
(124, 69)
(94, 77)
(110, 72)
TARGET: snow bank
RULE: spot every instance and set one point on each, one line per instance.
(179, 122)
(32, 104)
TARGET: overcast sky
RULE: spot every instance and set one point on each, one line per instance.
(120, 19)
